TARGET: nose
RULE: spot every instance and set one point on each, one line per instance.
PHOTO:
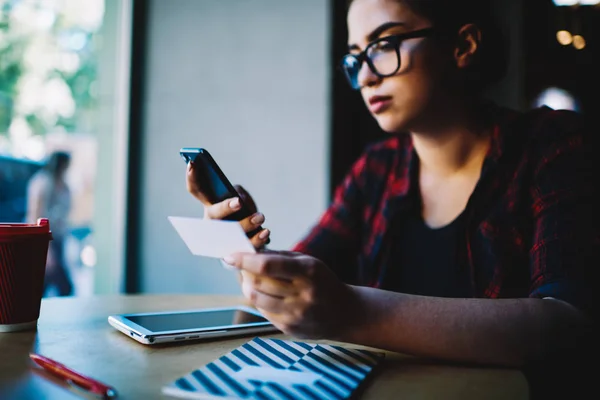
(366, 77)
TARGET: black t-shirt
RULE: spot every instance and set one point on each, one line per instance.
(429, 261)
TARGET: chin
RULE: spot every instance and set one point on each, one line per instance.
(391, 123)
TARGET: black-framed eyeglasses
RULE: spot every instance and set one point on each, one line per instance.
(382, 56)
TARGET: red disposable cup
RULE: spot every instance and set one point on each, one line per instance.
(23, 253)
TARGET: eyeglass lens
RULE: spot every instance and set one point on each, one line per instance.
(383, 59)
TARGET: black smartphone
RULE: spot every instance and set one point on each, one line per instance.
(215, 185)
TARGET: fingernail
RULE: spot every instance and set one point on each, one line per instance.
(264, 234)
(235, 203)
(229, 260)
(258, 219)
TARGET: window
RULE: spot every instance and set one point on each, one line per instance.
(52, 71)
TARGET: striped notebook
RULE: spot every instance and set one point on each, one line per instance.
(268, 369)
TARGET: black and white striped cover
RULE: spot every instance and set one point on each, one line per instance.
(268, 369)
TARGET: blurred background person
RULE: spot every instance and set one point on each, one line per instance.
(48, 196)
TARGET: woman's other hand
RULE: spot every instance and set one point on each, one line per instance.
(299, 294)
(227, 207)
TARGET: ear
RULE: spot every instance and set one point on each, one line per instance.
(468, 43)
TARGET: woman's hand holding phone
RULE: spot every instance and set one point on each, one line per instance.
(225, 208)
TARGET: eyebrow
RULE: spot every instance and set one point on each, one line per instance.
(377, 32)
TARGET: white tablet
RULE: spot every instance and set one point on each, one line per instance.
(175, 326)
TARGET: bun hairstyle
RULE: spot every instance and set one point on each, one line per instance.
(448, 16)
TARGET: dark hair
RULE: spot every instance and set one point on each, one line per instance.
(58, 162)
(448, 16)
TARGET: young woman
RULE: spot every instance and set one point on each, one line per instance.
(469, 234)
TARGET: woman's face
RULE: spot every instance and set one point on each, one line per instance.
(402, 102)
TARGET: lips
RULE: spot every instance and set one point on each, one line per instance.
(378, 104)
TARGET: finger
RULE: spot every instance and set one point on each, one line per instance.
(246, 282)
(279, 320)
(246, 198)
(227, 266)
(252, 222)
(249, 290)
(272, 286)
(264, 301)
(261, 239)
(272, 264)
(272, 317)
(249, 203)
(222, 209)
(286, 253)
(251, 280)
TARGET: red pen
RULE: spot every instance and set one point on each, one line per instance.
(68, 375)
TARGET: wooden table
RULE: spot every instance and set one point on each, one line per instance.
(75, 332)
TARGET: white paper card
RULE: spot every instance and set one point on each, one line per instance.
(212, 238)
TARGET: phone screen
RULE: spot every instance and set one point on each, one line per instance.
(194, 320)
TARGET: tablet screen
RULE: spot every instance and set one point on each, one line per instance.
(194, 320)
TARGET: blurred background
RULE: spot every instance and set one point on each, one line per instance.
(121, 85)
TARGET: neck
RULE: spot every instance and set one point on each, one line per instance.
(455, 142)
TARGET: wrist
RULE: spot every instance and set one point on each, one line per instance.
(357, 317)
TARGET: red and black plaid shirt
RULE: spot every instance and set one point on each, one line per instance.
(532, 224)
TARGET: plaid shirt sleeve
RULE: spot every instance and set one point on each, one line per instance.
(336, 238)
(566, 242)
